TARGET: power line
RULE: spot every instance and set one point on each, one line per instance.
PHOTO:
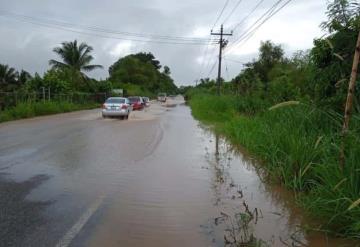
(222, 44)
(203, 60)
(212, 69)
(207, 47)
(227, 69)
(233, 60)
(248, 15)
(208, 60)
(232, 11)
(249, 35)
(268, 14)
(220, 14)
(70, 26)
(115, 37)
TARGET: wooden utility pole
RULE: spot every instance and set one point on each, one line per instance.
(349, 100)
(222, 44)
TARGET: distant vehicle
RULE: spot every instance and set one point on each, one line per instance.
(161, 97)
(136, 102)
(147, 101)
(116, 107)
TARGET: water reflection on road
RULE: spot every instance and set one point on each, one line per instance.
(166, 181)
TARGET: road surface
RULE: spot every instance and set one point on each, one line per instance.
(76, 179)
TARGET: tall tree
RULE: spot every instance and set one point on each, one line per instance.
(341, 15)
(24, 76)
(75, 58)
(8, 77)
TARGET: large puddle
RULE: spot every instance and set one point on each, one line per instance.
(168, 181)
(196, 190)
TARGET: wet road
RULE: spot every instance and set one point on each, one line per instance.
(156, 180)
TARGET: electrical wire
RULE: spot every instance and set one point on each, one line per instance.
(232, 11)
(248, 15)
(249, 33)
(220, 14)
(212, 69)
(204, 56)
(71, 26)
(247, 37)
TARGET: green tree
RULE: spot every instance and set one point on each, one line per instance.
(24, 76)
(148, 58)
(342, 14)
(75, 58)
(8, 78)
(142, 69)
(270, 55)
(331, 56)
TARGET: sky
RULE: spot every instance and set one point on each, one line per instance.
(28, 46)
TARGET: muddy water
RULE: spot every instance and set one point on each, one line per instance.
(193, 189)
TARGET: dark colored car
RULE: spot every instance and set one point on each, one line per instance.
(136, 102)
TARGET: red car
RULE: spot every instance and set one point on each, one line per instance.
(136, 102)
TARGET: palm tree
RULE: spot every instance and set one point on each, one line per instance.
(8, 77)
(23, 77)
(74, 58)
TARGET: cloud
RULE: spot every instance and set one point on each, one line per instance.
(29, 46)
(121, 49)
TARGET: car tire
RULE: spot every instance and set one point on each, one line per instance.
(103, 116)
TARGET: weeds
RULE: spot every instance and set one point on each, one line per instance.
(25, 110)
(299, 147)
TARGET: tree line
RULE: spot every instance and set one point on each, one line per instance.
(319, 75)
(140, 73)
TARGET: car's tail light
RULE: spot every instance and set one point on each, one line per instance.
(124, 107)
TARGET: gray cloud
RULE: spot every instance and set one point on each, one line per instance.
(28, 46)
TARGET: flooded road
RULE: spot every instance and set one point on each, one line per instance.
(159, 179)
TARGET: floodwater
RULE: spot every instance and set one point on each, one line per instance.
(159, 180)
(196, 190)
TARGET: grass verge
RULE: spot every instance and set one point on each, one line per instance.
(25, 110)
(299, 147)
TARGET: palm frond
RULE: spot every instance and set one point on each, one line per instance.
(92, 67)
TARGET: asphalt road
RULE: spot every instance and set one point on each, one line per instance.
(76, 179)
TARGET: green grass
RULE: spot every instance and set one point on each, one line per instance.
(24, 110)
(298, 146)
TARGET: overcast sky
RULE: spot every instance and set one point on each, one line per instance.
(24, 45)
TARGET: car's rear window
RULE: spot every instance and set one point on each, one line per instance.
(134, 99)
(115, 101)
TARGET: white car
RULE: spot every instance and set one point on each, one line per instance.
(116, 107)
(161, 97)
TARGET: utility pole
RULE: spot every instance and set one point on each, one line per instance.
(222, 44)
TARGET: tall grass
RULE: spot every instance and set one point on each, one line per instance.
(299, 147)
(26, 110)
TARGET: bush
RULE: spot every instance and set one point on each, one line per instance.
(24, 110)
(299, 147)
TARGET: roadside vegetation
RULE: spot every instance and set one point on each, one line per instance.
(288, 112)
(26, 110)
(66, 87)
